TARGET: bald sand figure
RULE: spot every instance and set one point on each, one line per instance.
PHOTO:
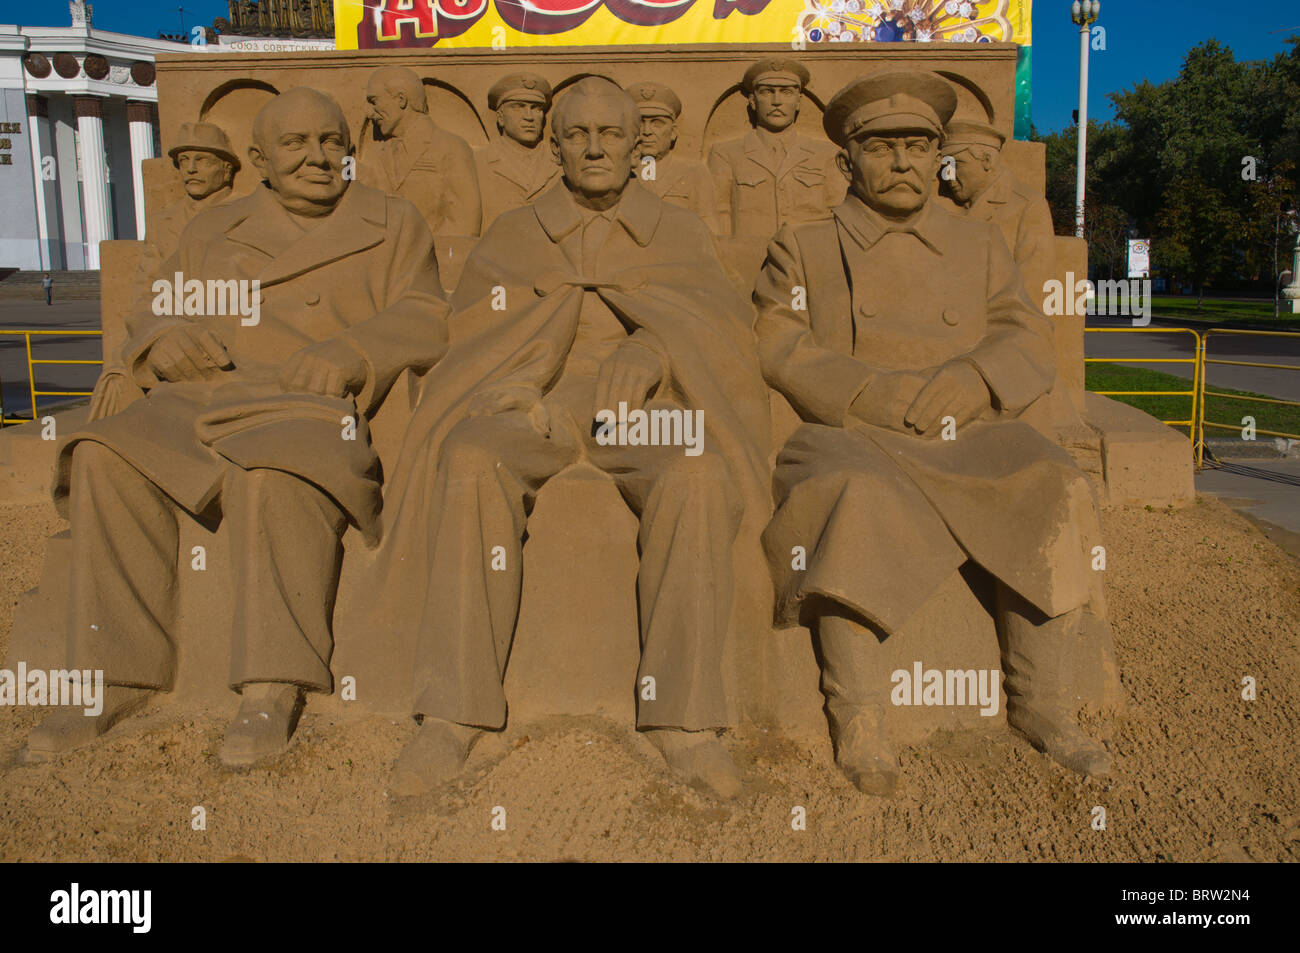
(242, 426)
(411, 156)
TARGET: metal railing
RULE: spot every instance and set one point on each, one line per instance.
(1205, 359)
(32, 363)
(1197, 372)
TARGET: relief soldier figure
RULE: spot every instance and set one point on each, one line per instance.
(412, 157)
(516, 167)
(772, 175)
(246, 423)
(917, 322)
(597, 296)
(672, 177)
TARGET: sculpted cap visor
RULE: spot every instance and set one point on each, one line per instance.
(962, 133)
(896, 102)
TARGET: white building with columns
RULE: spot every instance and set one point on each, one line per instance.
(78, 114)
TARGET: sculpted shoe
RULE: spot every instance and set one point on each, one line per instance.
(1061, 739)
(436, 755)
(865, 755)
(69, 728)
(700, 758)
(264, 723)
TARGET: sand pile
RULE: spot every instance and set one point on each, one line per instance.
(1199, 598)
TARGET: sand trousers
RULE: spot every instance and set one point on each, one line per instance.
(489, 471)
(284, 556)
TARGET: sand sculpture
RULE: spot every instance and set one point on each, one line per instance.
(407, 154)
(599, 300)
(260, 425)
(670, 176)
(887, 322)
(517, 166)
(885, 501)
(773, 174)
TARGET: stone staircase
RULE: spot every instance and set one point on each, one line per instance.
(68, 285)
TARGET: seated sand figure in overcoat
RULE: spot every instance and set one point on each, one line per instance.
(598, 297)
(254, 420)
(917, 328)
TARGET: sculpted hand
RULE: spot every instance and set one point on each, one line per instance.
(956, 390)
(629, 374)
(188, 352)
(883, 402)
(328, 368)
(502, 400)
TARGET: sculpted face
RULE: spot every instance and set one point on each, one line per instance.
(893, 174)
(593, 141)
(775, 105)
(384, 107)
(975, 169)
(202, 173)
(522, 121)
(300, 141)
(658, 133)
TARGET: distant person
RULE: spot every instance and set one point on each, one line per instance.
(48, 284)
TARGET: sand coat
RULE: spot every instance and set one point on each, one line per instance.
(757, 194)
(663, 278)
(366, 275)
(886, 515)
(510, 175)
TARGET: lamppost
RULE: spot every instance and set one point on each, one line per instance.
(1084, 14)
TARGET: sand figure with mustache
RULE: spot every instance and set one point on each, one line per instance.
(772, 175)
(912, 362)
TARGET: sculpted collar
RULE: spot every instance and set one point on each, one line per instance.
(998, 192)
(638, 211)
(868, 227)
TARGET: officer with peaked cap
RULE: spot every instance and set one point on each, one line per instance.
(772, 175)
(910, 364)
(982, 187)
(515, 168)
(672, 177)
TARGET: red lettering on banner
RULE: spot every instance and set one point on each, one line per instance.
(417, 23)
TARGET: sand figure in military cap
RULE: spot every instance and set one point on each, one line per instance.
(918, 329)
(516, 167)
(983, 188)
(409, 155)
(671, 176)
(206, 164)
(772, 175)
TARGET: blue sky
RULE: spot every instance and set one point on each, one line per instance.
(1145, 39)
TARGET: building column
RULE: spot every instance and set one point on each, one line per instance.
(140, 117)
(41, 137)
(94, 175)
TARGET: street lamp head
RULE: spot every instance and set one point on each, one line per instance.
(1076, 10)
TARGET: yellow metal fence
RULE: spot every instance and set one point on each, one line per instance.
(34, 362)
(1197, 422)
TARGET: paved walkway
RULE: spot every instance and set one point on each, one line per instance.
(34, 315)
(1266, 491)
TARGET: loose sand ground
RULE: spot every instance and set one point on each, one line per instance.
(1199, 598)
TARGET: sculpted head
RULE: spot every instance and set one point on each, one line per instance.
(976, 152)
(594, 128)
(659, 108)
(392, 94)
(520, 102)
(300, 140)
(203, 157)
(774, 89)
(888, 127)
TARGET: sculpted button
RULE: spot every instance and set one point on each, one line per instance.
(951, 317)
(314, 300)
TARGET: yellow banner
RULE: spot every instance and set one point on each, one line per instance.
(379, 24)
